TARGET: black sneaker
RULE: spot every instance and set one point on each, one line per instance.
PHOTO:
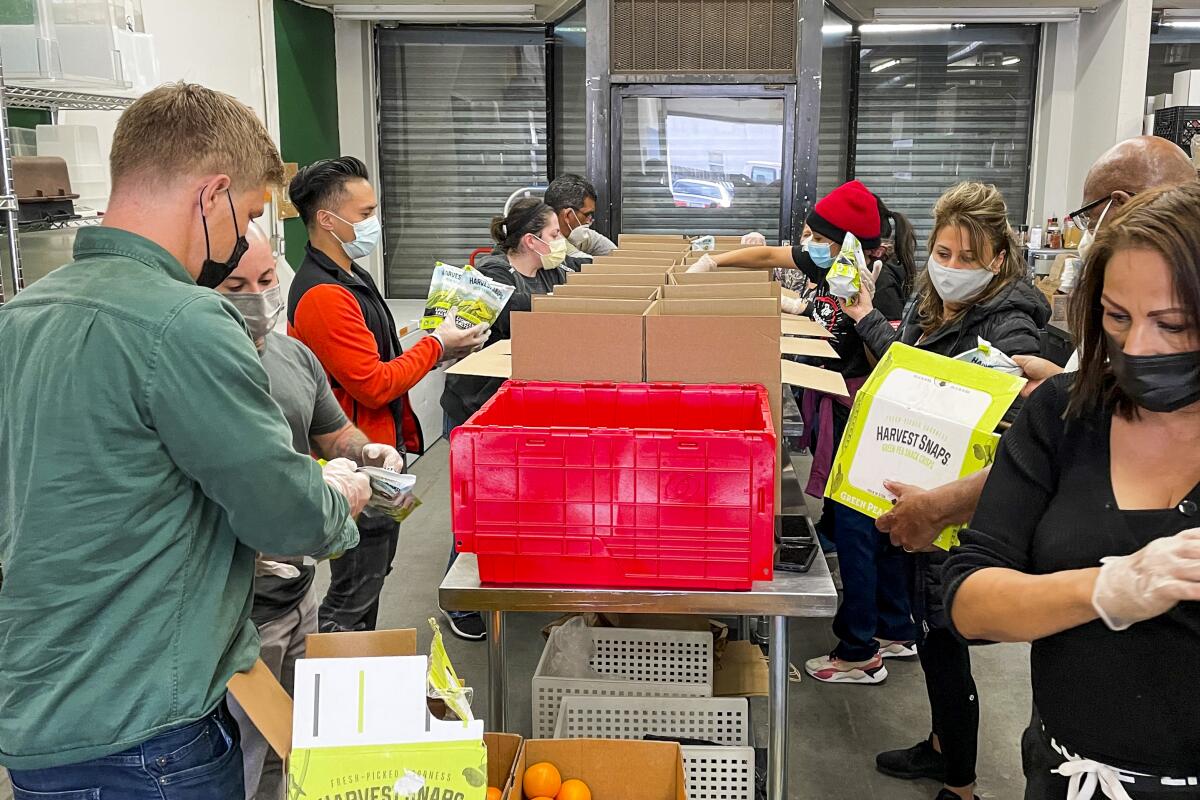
(918, 761)
(946, 794)
(466, 625)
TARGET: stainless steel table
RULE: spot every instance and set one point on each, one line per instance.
(790, 595)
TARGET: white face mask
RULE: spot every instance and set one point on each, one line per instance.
(366, 236)
(261, 310)
(1089, 236)
(957, 285)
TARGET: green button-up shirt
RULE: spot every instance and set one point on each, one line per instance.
(142, 464)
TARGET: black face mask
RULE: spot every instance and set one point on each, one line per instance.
(1157, 383)
(214, 273)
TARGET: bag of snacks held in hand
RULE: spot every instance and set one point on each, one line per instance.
(391, 492)
(481, 300)
(987, 356)
(843, 278)
(444, 288)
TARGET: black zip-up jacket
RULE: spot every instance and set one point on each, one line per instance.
(1011, 321)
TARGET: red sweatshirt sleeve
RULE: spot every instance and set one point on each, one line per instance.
(328, 319)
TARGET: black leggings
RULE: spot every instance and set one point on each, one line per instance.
(953, 701)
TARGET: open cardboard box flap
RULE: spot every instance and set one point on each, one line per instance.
(802, 326)
(270, 708)
(711, 291)
(607, 292)
(493, 361)
(813, 348)
(809, 377)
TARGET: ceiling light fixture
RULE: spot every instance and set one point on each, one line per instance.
(882, 65)
(978, 15)
(1011, 61)
(402, 12)
(876, 27)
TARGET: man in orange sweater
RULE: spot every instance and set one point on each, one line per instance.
(336, 309)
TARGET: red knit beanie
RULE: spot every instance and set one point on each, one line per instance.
(849, 208)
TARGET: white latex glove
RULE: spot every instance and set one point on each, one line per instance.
(705, 263)
(340, 476)
(263, 567)
(457, 342)
(754, 239)
(792, 305)
(382, 455)
(867, 280)
(1150, 582)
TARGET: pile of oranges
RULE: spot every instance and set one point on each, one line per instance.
(543, 782)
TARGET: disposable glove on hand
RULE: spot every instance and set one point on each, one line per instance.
(457, 342)
(1150, 582)
(706, 263)
(340, 476)
(754, 239)
(867, 280)
(792, 305)
(382, 455)
(263, 568)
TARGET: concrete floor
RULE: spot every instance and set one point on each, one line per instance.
(835, 730)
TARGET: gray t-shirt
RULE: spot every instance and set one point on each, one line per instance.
(299, 386)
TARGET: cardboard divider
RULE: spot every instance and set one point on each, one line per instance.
(681, 278)
(701, 291)
(618, 279)
(608, 292)
(504, 751)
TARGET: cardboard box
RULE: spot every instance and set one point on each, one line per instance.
(741, 671)
(702, 291)
(638, 257)
(361, 662)
(607, 292)
(738, 276)
(494, 361)
(1185, 91)
(617, 279)
(612, 769)
(579, 339)
(625, 267)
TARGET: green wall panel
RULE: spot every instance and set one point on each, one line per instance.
(308, 116)
(27, 117)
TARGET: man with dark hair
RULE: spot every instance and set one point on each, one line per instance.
(143, 462)
(336, 309)
(573, 199)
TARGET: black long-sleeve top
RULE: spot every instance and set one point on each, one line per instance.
(1128, 698)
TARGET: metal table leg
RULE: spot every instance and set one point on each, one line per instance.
(777, 751)
(498, 673)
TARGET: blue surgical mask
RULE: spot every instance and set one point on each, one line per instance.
(820, 253)
(366, 236)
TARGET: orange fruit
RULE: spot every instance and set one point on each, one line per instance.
(493, 793)
(574, 790)
(542, 780)
(543, 798)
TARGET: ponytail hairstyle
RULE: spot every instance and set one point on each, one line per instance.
(897, 228)
(527, 215)
(980, 210)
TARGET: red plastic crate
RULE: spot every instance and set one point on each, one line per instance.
(601, 484)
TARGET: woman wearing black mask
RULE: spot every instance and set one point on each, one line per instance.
(1084, 542)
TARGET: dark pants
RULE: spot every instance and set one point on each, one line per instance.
(874, 587)
(200, 761)
(1038, 758)
(356, 579)
(953, 702)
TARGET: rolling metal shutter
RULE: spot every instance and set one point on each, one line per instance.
(462, 124)
(943, 106)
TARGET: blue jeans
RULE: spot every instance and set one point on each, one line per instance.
(874, 587)
(200, 761)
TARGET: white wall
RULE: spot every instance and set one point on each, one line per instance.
(1092, 89)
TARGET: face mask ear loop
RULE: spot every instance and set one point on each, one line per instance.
(233, 213)
(204, 222)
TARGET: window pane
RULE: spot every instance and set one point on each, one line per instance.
(462, 125)
(570, 97)
(945, 105)
(701, 165)
(837, 56)
(1171, 50)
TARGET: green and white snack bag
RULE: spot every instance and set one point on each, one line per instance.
(704, 243)
(443, 291)
(921, 419)
(843, 277)
(987, 356)
(481, 300)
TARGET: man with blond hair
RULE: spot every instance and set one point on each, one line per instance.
(142, 465)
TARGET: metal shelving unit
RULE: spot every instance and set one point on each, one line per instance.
(53, 100)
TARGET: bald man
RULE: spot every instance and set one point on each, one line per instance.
(1130, 168)
(285, 604)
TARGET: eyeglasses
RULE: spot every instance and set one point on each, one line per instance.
(1084, 217)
